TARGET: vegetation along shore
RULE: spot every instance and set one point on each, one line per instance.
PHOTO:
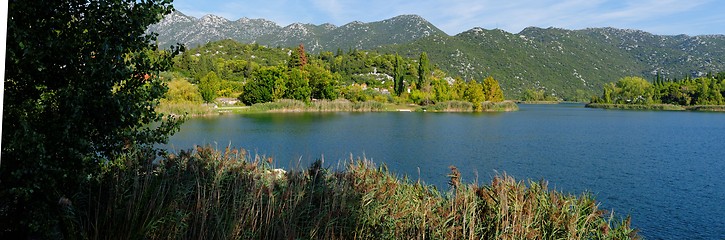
(281, 79)
(635, 93)
(231, 194)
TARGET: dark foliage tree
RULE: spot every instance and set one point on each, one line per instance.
(298, 87)
(423, 71)
(398, 75)
(80, 89)
(267, 85)
(322, 82)
(298, 58)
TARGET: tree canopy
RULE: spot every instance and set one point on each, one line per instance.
(707, 90)
(81, 86)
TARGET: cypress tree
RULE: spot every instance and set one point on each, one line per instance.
(398, 75)
(423, 70)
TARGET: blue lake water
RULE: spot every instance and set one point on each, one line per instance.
(665, 169)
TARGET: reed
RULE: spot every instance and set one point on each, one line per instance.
(206, 193)
(452, 106)
(281, 105)
(340, 105)
(505, 106)
(184, 108)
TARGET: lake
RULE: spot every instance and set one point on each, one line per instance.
(665, 169)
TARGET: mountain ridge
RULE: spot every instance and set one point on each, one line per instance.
(190, 31)
(572, 64)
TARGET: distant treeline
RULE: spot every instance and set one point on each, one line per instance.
(706, 90)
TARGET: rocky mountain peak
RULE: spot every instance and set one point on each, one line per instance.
(211, 19)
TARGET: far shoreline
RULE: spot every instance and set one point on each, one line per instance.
(658, 107)
(294, 106)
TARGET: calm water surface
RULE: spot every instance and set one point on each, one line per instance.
(666, 169)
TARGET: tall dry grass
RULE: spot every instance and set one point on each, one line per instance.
(339, 105)
(211, 194)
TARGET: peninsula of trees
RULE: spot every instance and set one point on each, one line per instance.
(702, 94)
(255, 74)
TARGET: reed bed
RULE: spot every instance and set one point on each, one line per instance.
(185, 108)
(463, 106)
(281, 105)
(505, 106)
(339, 105)
(206, 193)
(452, 106)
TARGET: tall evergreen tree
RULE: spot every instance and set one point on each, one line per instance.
(298, 58)
(423, 71)
(398, 75)
(715, 92)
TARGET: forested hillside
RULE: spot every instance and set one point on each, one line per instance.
(565, 64)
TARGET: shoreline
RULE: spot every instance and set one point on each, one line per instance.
(294, 106)
(658, 107)
(539, 102)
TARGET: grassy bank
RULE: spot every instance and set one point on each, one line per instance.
(230, 194)
(505, 106)
(659, 107)
(539, 102)
(339, 105)
(462, 106)
(707, 108)
(451, 106)
(185, 108)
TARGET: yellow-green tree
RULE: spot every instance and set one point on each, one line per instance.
(473, 93)
(492, 90)
(633, 90)
(209, 85)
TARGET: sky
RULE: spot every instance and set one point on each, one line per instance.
(663, 17)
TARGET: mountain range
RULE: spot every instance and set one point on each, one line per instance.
(572, 64)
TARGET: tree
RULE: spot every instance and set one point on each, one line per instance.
(459, 87)
(441, 88)
(473, 93)
(492, 90)
(715, 92)
(209, 85)
(398, 75)
(633, 90)
(298, 58)
(268, 84)
(322, 81)
(298, 87)
(608, 91)
(423, 71)
(81, 89)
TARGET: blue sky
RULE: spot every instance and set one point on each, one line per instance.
(667, 17)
